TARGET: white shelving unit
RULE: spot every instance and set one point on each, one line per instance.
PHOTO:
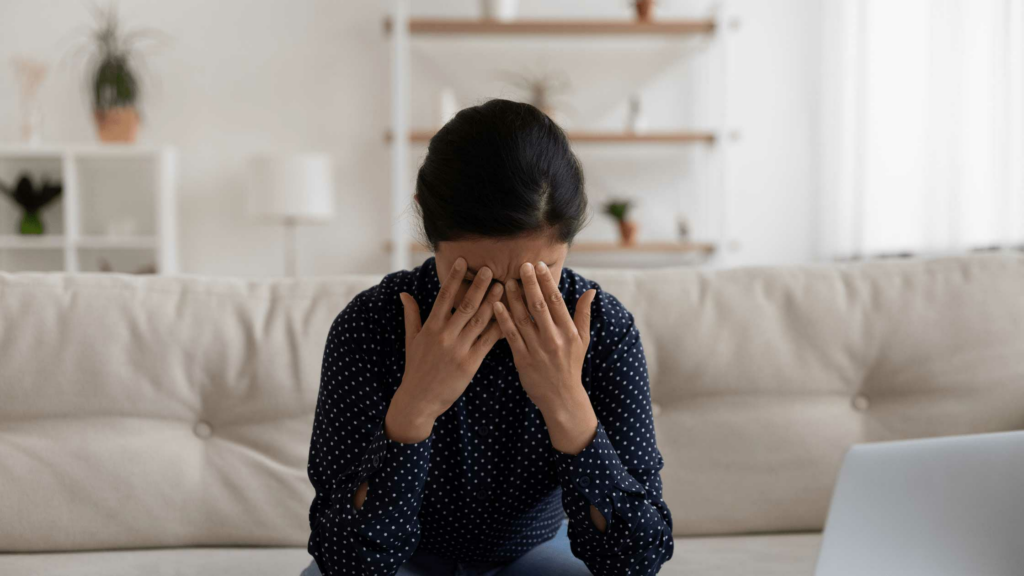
(712, 184)
(100, 183)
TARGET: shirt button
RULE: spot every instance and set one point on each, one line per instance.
(483, 430)
(376, 460)
(482, 495)
(584, 481)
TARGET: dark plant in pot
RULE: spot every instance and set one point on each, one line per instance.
(32, 200)
(619, 210)
(114, 62)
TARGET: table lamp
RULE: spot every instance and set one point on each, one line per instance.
(291, 190)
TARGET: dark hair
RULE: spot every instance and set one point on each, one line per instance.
(498, 170)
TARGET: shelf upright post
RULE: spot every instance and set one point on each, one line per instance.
(702, 109)
(721, 189)
(72, 214)
(400, 130)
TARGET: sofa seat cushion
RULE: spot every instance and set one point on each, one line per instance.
(770, 555)
(211, 561)
(766, 555)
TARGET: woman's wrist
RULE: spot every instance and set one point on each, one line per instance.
(406, 421)
(571, 422)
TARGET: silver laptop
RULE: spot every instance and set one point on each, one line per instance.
(949, 506)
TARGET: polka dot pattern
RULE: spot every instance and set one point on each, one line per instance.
(486, 485)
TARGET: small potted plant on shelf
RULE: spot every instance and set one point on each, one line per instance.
(113, 79)
(31, 200)
(619, 210)
(643, 9)
(542, 89)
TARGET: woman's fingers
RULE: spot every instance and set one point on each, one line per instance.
(441, 310)
(520, 315)
(486, 341)
(509, 329)
(471, 301)
(535, 300)
(549, 287)
(412, 317)
(478, 323)
(582, 319)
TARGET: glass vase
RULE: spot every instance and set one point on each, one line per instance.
(30, 74)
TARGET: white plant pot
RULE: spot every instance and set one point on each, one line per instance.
(500, 10)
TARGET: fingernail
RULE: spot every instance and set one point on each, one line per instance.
(460, 264)
(510, 286)
(527, 268)
(498, 307)
(542, 266)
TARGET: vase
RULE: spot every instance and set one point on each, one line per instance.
(30, 74)
(500, 10)
(31, 123)
(119, 124)
(447, 106)
(30, 223)
(627, 232)
(643, 10)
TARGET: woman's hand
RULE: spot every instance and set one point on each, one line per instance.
(443, 354)
(549, 347)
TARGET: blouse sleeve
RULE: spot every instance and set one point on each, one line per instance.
(619, 472)
(348, 447)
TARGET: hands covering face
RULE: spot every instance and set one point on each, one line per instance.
(444, 353)
(548, 344)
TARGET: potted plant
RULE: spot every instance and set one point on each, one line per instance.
(113, 79)
(643, 9)
(541, 88)
(619, 210)
(31, 200)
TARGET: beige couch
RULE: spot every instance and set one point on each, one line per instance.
(161, 425)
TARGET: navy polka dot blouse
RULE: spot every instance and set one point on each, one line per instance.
(486, 485)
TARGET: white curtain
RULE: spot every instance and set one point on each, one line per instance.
(922, 146)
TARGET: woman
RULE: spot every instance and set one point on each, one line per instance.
(470, 405)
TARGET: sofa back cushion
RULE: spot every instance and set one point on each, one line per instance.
(763, 377)
(156, 411)
(152, 411)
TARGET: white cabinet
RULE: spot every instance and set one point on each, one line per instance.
(117, 209)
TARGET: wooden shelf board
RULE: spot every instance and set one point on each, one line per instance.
(642, 137)
(26, 241)
(650, 247)
(442, 26)
(595, 137)
(704, 248)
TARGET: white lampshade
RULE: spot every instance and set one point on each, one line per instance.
(296, 188)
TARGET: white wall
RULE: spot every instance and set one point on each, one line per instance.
(775, 93)
(245, 76)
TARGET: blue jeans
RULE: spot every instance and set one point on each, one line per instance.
(552, 557)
